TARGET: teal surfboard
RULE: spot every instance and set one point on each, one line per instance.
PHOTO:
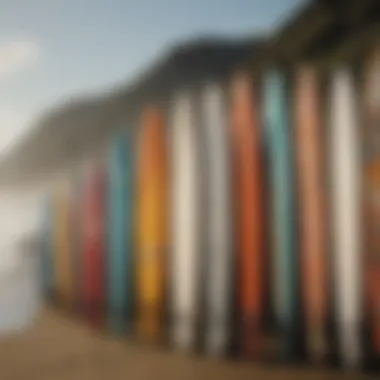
(284, 248)
(46, 249)
(119, 263)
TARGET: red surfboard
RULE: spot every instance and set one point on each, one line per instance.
(248, 185)
(94, 245)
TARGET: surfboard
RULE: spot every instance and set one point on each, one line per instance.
(63, 262)
(185, 222)
(285, 259)
(76, 234)
(218, 245)
(151, 225)
(47, 247)
(345, 195)
(371, 196)
(248, 198)
(313, 248)
(94, 287)
(120, 211)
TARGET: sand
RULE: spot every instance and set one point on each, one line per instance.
(59, 348)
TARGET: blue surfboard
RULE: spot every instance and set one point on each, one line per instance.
(46, 249)
(284, 247)
(119, 276)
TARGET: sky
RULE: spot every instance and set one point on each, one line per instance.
(51, 50)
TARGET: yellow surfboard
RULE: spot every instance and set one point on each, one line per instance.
(151, 226)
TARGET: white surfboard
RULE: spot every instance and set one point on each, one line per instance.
(345, 192)
(218, 240)
(185, 224)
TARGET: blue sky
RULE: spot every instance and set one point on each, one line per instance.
(53, 49)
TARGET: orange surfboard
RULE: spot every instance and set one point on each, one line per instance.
(151, 226)
(248, 182)
(308, 128)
